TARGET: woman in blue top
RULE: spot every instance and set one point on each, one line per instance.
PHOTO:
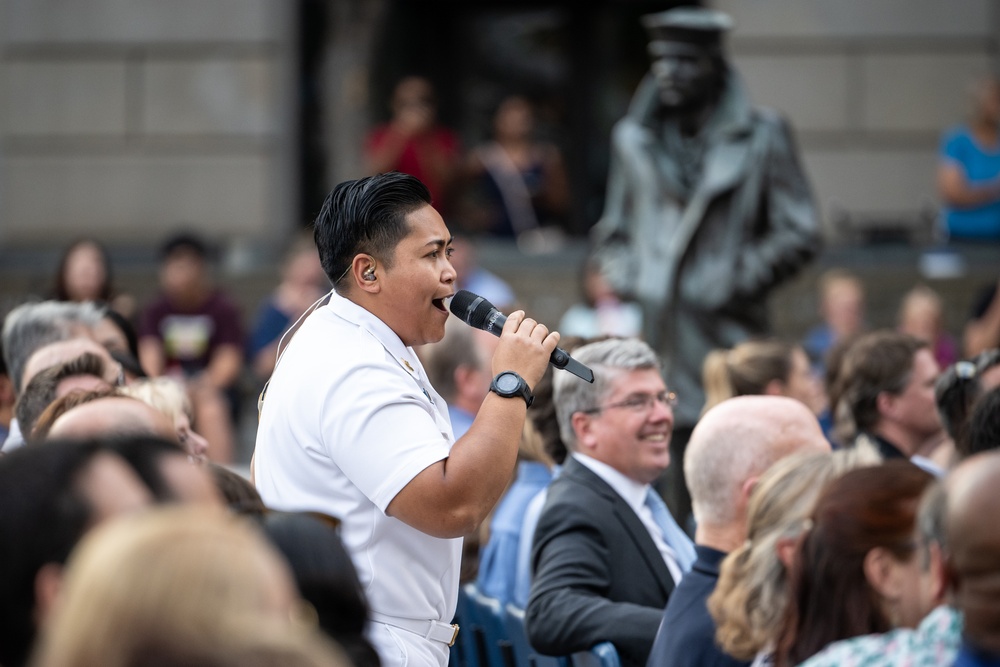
(969, 171)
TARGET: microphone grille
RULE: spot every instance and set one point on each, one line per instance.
(470, 308)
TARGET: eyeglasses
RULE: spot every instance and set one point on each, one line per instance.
(638, 402)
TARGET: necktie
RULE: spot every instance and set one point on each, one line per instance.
(675, 538)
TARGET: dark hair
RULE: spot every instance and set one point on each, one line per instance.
(129, 363)
(62, 289)
(44, 515)
(236, 491)
(877, 362)
(830, 597)
(958, 387)
(188, 242)
(61, 406)
(144, 454)
(983, 430)
(120, 321)
(40, 391)
(326, 578)
(366, 216)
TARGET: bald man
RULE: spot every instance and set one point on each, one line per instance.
(730, 448)
(147, 439)
(62, 351)
(973, 555)
(112, 416)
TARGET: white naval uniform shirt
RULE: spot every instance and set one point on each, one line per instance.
(348, 420)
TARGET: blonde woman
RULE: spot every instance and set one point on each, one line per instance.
(754, 367)
(750, 599)
(168, 395)
(171, 582)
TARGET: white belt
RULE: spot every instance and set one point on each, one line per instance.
(437, 631)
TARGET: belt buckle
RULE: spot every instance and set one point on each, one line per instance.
(454, 635)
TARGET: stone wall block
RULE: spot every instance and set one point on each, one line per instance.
(60, 97)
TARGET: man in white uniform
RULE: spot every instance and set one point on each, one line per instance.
(350, 425)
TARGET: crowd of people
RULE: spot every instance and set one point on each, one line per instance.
(883, 525)
(839, 491)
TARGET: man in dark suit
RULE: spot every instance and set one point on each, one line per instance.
(607, 554)
(731, 447)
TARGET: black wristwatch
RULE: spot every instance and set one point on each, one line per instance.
(509, 384)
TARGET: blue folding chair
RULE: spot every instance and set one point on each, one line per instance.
(463, 651)
(602, 655)
(524, 654)
(493, 649)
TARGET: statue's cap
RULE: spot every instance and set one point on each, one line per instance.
(696, 26)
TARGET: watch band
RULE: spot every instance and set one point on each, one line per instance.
(508, 384)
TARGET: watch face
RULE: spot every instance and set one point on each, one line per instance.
(507, 382)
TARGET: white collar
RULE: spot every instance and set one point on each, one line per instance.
(632, 491)
(355, 314)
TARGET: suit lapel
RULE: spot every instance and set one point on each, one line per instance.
(629, 520)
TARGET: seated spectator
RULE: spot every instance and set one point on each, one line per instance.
(886, 387)
(98, 414)
(752, 591)
(193, 331)
(767, 367)
(607, 554)
(973, 554)
(51, 496)
(165, 468)
(856, 569)
(517, 184)
(545, 423)
(85, 274)
(60, 352)
(497, 573)
(602, 312)
(969, 169)
(84, 373)
(302, 284)
(842, 307)
(982, 331)
(32, 326)
(732, 445)
(168, 396)
(922, 315)
(960, 385)
(983, 432)
(458, 367)
(936, 640)
(326, 579)
(172, 578)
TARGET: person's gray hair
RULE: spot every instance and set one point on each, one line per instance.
(608, 359)
(34, 325)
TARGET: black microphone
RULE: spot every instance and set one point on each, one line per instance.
(477, 312)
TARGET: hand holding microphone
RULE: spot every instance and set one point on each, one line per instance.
(477, 312)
